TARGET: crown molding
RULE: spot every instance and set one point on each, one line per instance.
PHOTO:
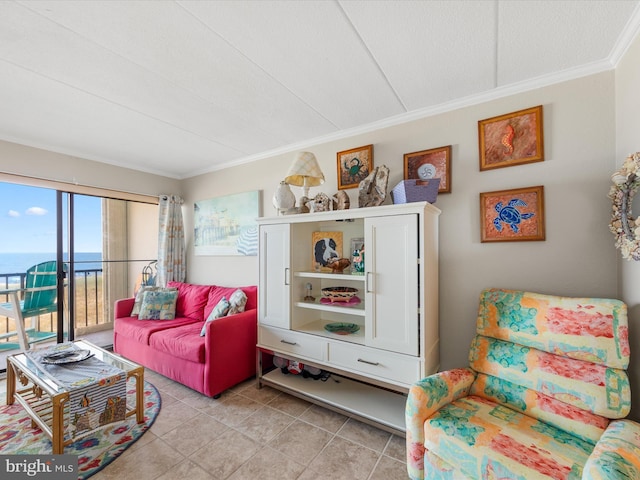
(470, 100)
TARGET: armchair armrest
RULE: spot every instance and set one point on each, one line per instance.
(230, 349)
(426, 397)
(617, 453)
(123, 307)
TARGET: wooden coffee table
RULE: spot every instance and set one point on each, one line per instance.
(46, 402)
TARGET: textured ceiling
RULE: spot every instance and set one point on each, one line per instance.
(181, 88)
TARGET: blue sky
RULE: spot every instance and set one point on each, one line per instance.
(28, 220)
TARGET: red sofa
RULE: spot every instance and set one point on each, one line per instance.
(224, 357)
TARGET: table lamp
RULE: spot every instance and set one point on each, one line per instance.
(305, 172)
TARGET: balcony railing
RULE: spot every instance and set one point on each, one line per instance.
(88, 308)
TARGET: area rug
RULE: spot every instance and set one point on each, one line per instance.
(95, 451)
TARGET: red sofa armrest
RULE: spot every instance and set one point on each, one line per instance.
(123, 307)
(230, 349)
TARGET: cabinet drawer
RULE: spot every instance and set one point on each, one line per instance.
(375, 363)
(297, 343)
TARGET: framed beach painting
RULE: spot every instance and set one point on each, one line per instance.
(512, 215)
(512, 139)
(227, 225)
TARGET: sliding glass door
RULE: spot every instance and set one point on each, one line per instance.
(102, 246)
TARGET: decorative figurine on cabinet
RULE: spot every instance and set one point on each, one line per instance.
(358, 261)
(341, 201)
(339, 264)
(283, 198)
(308, 297)
(373, 189)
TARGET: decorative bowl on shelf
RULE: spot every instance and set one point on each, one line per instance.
(342, 328)
(339, 294)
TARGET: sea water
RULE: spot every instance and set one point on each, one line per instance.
(17, 263)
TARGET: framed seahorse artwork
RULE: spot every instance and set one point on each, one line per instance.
(512, 215)
(512, 139)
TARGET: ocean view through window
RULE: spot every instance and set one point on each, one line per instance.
(39, 228)
(101, 234)
(19, 262)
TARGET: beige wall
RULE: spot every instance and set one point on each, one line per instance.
(628, 141)
(34, 162)
(577, 258)
(142, 225)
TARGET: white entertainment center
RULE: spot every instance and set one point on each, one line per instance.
(396, 342)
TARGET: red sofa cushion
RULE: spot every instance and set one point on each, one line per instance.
(216, 294)
(182, 342)
(191, 299)
(141, 330)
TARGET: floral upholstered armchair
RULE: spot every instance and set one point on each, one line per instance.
(544, 396)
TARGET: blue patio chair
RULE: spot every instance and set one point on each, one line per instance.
(40, 296)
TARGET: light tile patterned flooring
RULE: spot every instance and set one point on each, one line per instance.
(250, 433)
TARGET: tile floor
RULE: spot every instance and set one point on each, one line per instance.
(250, 433)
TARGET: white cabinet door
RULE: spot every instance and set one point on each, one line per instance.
(391, 283)
(275, 275)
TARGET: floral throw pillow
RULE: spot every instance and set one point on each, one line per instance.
(158, 305)
(238, 300)
(219, 311)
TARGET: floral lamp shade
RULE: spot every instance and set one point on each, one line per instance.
(305, 172)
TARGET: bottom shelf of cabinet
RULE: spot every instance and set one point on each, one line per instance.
(368, 403)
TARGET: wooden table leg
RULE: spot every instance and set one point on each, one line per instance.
(11, 383)
(58, 424)
(139, 378)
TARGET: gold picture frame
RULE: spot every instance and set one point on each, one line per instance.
(512, 139)
(324, 247)
(439, 157)
(512, 215)
(354, 166)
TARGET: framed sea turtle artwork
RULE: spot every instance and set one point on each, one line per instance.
(512, 215)
(354, 166)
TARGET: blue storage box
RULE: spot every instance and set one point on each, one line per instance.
(408, 191)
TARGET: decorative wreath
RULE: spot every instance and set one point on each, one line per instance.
(624, 227)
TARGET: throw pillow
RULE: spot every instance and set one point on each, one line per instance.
(192, 299)
(138, 301)
(219, 311)
(158, 305)
(238, 300)
(147, 288)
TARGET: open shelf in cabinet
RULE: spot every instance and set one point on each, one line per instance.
(381, 407)
(348, 277)
(317, 328)
(336, 307)
(319, 312)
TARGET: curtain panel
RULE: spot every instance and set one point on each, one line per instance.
(172, 261)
